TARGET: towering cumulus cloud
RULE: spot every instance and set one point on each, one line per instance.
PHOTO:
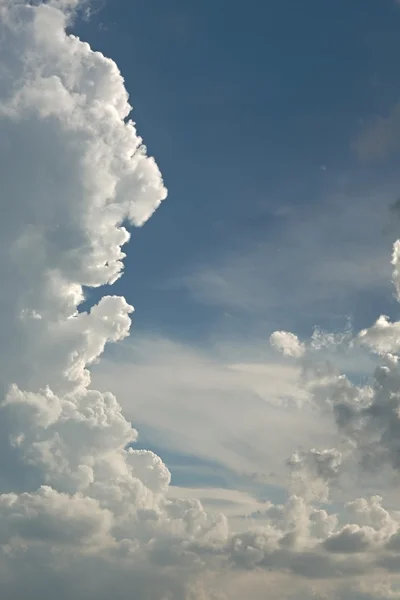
(82, 514)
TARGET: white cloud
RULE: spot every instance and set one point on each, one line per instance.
(241, 508)
(287, 343)
(314, 471)
(243, 414)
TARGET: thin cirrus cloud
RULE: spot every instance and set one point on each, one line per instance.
(82, 513)
(245, 416)
(318, 259)
(378, 137)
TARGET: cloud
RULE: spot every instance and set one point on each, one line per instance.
(314, 471)
(319, 259)
(79, 510)
(341, 551)
(287, 343)
(378, 137)
(243, 414)
(366, 415)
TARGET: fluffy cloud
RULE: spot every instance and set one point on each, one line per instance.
(368, 415)
(368, 419)
(287, 343)
(314, 471)
(73, 171)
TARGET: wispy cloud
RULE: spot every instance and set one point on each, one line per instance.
(379, 136)
(316, 261)
(245, 415)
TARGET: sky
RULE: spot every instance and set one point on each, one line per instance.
(265, 124)
(259, 119)
(199, 312)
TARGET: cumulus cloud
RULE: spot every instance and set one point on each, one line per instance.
(287, 343)
(314, 471)
(367, 416)
(73, 172)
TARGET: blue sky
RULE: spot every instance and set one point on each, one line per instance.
(264, 120)
(251, 112)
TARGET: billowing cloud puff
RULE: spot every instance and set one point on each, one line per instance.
(314, 471)
(73, 171)
(287, 343)
(383, 337)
